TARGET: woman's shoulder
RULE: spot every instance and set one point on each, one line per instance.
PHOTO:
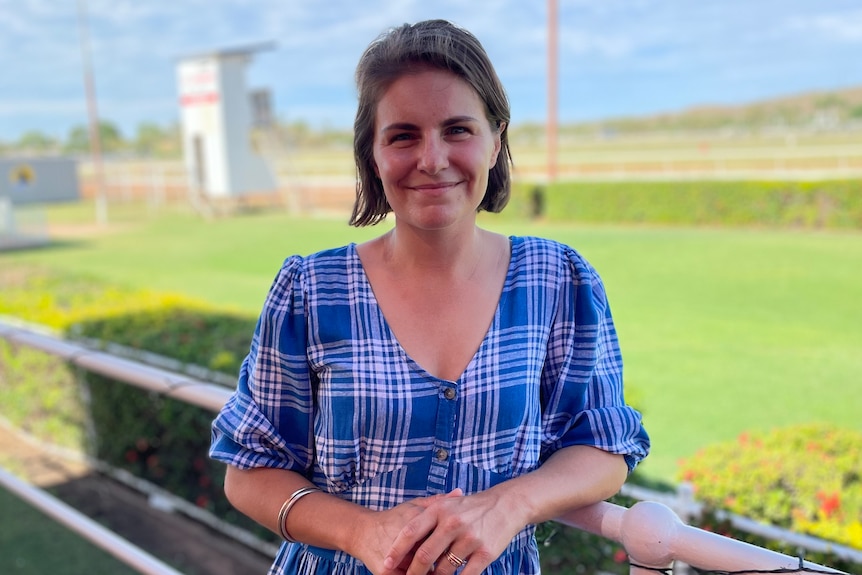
(298, 273)
(297, 264)
(532, 249)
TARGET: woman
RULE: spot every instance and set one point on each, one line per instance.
(419, 402)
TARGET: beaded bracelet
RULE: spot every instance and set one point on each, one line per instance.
(285, 509)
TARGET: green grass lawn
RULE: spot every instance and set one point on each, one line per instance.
(33, 543)
(723, 330)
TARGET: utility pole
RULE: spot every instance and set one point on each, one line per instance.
(551, 128)
(93, 116)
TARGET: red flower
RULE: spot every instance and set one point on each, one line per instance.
(620, 556)
(829, 503)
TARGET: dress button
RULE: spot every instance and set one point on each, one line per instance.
(449, 393)
(442, 454)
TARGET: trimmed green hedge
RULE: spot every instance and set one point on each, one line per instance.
(159, 439)
(825, 204)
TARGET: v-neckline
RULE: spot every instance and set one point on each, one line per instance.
(495, 319)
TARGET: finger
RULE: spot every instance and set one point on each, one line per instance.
(413, 533)
(426, 502)
(433, 551)
(450, 562)
(406, 542)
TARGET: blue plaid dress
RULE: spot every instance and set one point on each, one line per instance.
(327, 391)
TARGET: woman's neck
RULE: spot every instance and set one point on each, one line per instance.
(445, 254)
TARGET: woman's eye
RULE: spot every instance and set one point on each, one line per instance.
(457, 130)
(401, 137)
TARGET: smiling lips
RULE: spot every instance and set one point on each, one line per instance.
(434, 187)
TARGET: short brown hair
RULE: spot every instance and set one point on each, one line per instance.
(411, 48)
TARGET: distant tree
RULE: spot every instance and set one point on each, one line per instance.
(36, 142)
(110, 137)
(147, 139)
(152, 140)
(301, 133)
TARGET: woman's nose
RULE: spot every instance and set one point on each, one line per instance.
(432, 155)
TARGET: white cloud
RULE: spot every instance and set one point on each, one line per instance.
(610, 50)
(842, 26)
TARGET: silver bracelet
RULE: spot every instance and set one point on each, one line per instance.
(285, 509)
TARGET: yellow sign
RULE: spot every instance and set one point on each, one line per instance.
(22, 175)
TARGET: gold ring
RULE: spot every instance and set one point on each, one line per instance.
(455, 560)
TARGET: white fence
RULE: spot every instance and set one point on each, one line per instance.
(82, 525)
(650, 531)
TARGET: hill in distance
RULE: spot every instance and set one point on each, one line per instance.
(835, 110)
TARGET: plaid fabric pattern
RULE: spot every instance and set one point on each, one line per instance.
(327, 391)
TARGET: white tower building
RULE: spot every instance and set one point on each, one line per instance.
(216, 115)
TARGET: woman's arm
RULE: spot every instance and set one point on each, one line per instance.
(571, 478)
(479, 527)
(260, 492)
(321, 519)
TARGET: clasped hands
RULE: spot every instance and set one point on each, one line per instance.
(439, 534)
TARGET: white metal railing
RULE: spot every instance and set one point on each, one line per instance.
(682, 503)
(654, 537)
(182, 387)
(100, 536)
(651, 533)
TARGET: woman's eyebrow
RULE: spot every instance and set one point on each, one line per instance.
(459, 119)
(413, 127)
(400, 126)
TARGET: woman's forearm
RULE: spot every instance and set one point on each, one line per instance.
(570, 479)
(318, 519)
(478, 527)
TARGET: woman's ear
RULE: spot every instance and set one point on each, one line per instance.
(498, 143)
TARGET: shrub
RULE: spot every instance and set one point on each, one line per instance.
(56, 300)
(825, 204)
(42, 396)
(806, 478)
(159, 439)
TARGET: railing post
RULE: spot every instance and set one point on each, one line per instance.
(647, 533)
(685, 510)
(654, 537)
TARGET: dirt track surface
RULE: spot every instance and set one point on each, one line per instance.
(185, 544)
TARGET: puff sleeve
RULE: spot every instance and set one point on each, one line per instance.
(267, 422)
(582, 382)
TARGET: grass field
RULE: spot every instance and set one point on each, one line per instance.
(35, 543)
(723, 330)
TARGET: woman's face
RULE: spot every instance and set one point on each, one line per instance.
(433, 149)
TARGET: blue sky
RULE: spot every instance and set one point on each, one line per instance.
(617, 57)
